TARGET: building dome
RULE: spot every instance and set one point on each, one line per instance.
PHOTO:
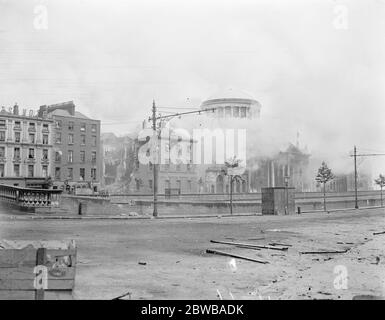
(233, 103)
(231, 93)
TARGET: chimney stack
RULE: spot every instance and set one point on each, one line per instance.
(16, 109)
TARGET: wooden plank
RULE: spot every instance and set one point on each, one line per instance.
(41, 259)
(245, 245)
(30, 295)
(323, 252)
(23, 284)
(234, 256)
(27, 256)
(26, 273)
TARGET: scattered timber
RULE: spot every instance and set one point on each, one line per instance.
(248, 245)
(376, 233)
(324, 252)
(234, 256)
(279, 244)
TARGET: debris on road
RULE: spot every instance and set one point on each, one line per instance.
(325, 293)
(122, 296)
(249, 245)
(142, 263)
(234, 256)
(323, 252)
(279, 244)
(376, 233)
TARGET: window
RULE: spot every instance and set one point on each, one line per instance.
(2, 152)
(31, 138)
(16, 170)
(1, 169)
(220, 112)
(93, 128)
(70, 173)
(16, 153)
(31, 153)
(82, 174)
(2, 123)
(70, 125)
(30, 170)
(45, 154)
(189, 185)
(83, 127)
(70, 138)
(178, 184)
(83, 139)
(93, 141)
(45, 126)
(70, 156)
(58, 137)
(178, 167)
(45, 138)
(32, 126)
(17, 125)
(44, 171)
(17, 136)
(57, 173)
(58, 124)
(82, 156)
(150, 184)
(188, 166)
(93, 173)
(58, 156)
(2, 135)
(150, 166)
(93, 156)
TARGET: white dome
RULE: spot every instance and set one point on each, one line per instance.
(231, 93)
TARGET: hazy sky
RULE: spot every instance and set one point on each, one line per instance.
(315, 66)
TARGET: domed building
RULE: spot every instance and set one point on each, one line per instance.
(233, 104)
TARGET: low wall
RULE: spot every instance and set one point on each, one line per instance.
(104, 206)
(145, 207)
(93, 206)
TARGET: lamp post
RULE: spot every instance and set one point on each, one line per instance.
(286, 179)
(154, 119)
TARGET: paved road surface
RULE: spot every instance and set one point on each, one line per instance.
(177, 266)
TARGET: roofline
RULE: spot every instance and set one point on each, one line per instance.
(221, 100)
(25, 117)
(74, 117)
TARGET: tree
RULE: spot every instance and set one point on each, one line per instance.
(230, 169)
(381, 182)
(324, 175)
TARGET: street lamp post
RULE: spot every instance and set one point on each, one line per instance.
(286, 178)
(154, 119)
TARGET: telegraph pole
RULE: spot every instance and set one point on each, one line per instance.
(355, 177)
(156, 157)
(155, 165)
